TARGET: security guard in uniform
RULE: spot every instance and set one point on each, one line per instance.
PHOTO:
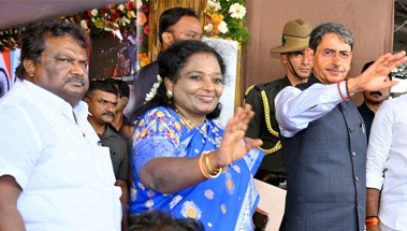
(264, 125)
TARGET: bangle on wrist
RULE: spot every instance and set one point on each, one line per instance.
(213, 172)
(206, 169)
(202, 167)
(372, 221)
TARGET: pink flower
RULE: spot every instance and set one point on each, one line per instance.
(144, 8)
(129, 5)
(147, 30)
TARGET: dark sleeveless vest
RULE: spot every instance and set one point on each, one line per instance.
(326, 172)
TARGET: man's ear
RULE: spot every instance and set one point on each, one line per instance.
(284, 58)
(167, 38)
(86, 99)
(29, 68)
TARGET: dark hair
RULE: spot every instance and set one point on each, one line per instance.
(327, 28)
(101, 85)
(121, 86)
(34, 35)
(155, 220)
(367, 65)
(170, 62)
(171, 16)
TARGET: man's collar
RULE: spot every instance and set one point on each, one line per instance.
(109, 131)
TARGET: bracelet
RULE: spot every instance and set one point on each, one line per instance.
(213, 173)
(338, 85)
(372, 221)
(202, 167)
(205, 167)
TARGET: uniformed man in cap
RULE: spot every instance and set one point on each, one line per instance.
(295, 39)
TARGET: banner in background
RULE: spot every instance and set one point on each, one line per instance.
(8, 62)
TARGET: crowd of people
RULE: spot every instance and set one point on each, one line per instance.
(71, 160)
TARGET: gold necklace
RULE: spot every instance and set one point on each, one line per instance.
(188, 123)
(191, 125)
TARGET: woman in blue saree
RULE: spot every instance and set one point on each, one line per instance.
(183, 163)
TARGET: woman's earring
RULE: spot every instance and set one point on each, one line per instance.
(169, 94)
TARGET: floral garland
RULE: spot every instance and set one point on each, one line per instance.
(226, 19)
(111, 18)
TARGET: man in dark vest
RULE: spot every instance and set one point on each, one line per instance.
(295, 39)
(324, 137)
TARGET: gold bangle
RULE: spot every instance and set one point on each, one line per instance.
(206, 169)
(208, 163)
(213, 176)
(202, 167)
(214, 173)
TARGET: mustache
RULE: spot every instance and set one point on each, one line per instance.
(108, 114)
(77, 79)
(336, 68)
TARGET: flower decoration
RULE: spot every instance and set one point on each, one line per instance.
(223, 18)
(153, 91)
(110, 18)
(116, 19)
(121, 17)
(9, 39)
(237, 11)
(226, 19)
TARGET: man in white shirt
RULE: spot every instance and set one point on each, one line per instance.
(324, 137)
(386, 177)
(53, 175)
